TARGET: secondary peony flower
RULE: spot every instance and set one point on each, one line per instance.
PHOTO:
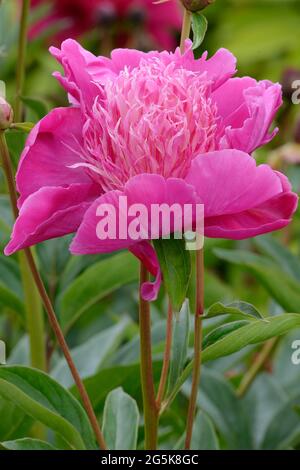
(157, 128)
(124, 16)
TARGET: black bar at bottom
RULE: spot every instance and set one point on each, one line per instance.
(134, 459)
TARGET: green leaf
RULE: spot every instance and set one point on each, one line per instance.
(253, 333)
(239, 309)
(13, 421)
(16, 142)
(27, 444)
(215, 289)
(39, 107)
(199, 25)
(287, 434)
(180, 342)
(287, 261)
(256, 332)
(130, 352)
(286, 373)
(218, 333)
(120, 421)
(10, 286)
(124, 376)
(218, 399)
(90, 356)
(204, 434)
(175, 263)
(40, 397)
(53, 256)
(282, 287)
(94, 284)
(261, 403)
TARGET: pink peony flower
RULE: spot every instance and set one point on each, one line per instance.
(80, 16)
(157, 128)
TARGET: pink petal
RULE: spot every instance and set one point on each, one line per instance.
(52, 147)
(230, 100)
(219, 68)
(229, 182)
(79, 79)
(248, 109)
(267, 217)
(121, 58)
(51, 212)
(146, 189)
(145, 252)
(241, 200)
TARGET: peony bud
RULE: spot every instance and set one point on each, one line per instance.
(6, 114)
(196, 5)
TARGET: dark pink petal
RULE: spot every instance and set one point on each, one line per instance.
(267, 217)
(51, 212)
(86, 240)
(228, 182)
(241, 200)
(230, 100)
(146, 189)
(145, 252)
(78, 80)
(52, 147)
(248, 109)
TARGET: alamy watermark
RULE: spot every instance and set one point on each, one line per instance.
(296, 354)
(296, 93)
(137, 222)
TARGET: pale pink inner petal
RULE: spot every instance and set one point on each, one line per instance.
(155, 118)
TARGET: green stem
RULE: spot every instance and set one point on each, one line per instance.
(21, 63)
(197, 347)
(186, 28)
(34, 317)
(33, 305)
(148, 390)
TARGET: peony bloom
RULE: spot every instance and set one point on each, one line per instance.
(157, 128)
(80, 16)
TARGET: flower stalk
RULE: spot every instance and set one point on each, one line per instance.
(197, 346)
(186, 28)
(31, 265)
(148, 390)
(21, 59)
